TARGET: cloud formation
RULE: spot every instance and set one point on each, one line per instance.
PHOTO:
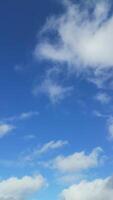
(103, 98)
(5, 129)
(52, 145)
(22, 116)
(20, 189)
(82, 38)
(53, 90)
(51, 87)
(99, 189)
(45, 148)
(77, 162)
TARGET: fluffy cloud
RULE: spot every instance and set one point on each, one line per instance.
(20, 189)
(99, 189)
(78, 161)
(82, 39)
(5, 129)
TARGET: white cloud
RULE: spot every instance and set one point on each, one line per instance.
(53, 87)
(20, 189)
(22, 116)
(53, 90)
(84, 39)
(5, 129)
(77, 162)
(27, 115)
(103, 98)
(99, 189)
(52, 145)
(49, 146)
(98, 114)
(35, 156)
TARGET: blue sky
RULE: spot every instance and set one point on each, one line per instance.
(56, 112)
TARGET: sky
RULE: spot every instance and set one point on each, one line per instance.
(56, 111)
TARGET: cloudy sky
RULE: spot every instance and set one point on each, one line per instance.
(56, 100)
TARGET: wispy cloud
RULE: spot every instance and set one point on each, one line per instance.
(110, 128)
(29, 137)
(49, 146)
(69, 179)
(27, 115)
(36, 156)
(5, 129)
(22, 116)
(53, 90)
(103, 98)
(99, 114)
(52, 87)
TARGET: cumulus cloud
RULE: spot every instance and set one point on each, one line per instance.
(20, 189)
(82, 39)
(77, 162)
(5, 129)
(99, 189)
